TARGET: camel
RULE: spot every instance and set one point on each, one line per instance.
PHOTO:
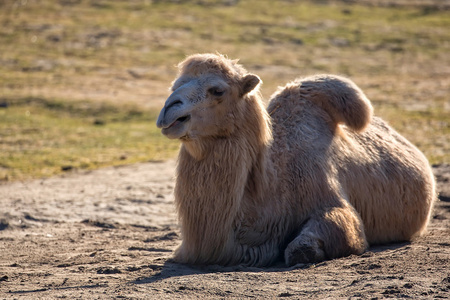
(315, 176)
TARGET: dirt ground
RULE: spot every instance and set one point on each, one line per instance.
(110, 233)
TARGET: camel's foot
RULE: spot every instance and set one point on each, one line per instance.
(304, 249)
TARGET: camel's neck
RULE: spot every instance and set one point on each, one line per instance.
(210, 188)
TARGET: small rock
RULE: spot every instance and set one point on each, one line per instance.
(286, 294)
(108, 270)
(3, 225)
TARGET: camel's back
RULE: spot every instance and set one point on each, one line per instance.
(386, 178)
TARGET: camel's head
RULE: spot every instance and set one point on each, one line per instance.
(207, 98)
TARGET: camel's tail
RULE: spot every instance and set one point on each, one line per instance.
(341, 98)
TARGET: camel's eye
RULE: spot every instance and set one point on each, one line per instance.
(216, 92)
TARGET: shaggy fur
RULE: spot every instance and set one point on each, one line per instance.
(313, 177)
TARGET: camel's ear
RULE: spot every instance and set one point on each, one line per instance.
(248, 83)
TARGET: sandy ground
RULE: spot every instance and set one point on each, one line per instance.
(110, 233)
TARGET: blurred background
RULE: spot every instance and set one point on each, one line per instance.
(82, 81)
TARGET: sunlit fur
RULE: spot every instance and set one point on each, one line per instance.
(312, 177)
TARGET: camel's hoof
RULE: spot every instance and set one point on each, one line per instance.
(299, 252)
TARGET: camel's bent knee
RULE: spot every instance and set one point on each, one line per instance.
(329, 234)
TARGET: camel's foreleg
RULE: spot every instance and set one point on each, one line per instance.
(331, 233)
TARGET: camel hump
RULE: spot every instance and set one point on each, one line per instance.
(341, 98)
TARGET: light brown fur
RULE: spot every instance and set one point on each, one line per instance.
(318, 178)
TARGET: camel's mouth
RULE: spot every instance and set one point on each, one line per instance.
(180, 120)
(172, 130)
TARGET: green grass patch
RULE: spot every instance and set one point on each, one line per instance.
(428, 130)
(54, 53)
(44, 137)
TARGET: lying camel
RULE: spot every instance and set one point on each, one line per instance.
(313, 176)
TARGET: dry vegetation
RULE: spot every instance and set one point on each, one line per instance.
(81, 80)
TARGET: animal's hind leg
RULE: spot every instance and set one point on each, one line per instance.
(332, 233)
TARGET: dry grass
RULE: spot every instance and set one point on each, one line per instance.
(123, 53)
